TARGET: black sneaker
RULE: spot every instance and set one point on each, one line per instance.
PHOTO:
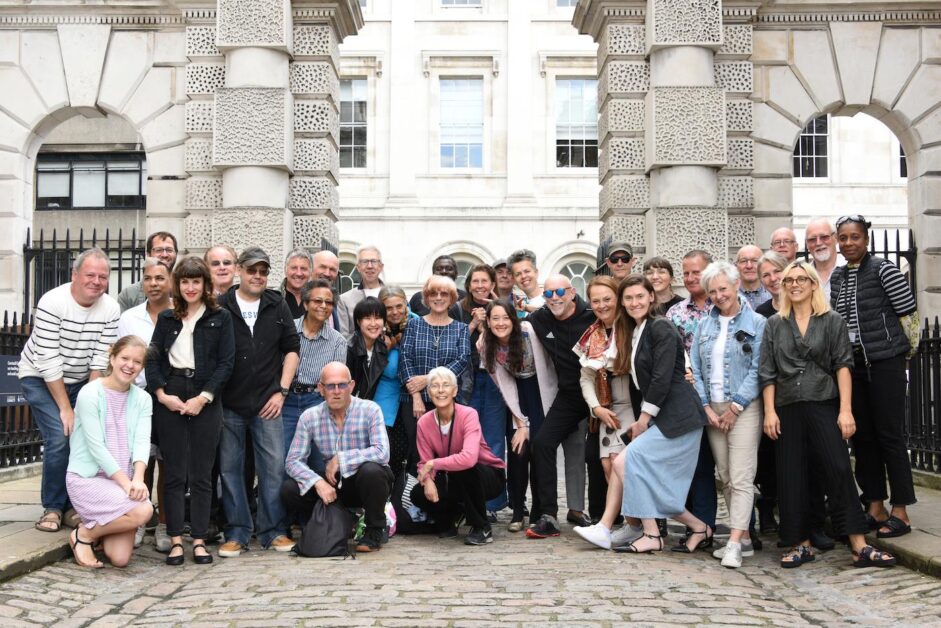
(479, 536)
(544, 528)
(447, 533)
(371, 541)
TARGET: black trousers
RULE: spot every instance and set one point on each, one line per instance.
(410, 425)
(597, 482)
(188, 445)
(766, 477)
(368, 488)
(879, 442)
(811, 439)
(462, 493)
(566, 412)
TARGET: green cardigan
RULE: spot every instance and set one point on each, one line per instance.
(89, 448)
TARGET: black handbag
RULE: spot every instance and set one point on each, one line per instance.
(327, 533)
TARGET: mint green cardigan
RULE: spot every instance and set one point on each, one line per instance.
(89, 448)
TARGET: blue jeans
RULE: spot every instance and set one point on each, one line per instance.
(294, 406)
(488, 402)
(55, 448)
(268, 443)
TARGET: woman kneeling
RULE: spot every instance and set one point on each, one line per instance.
(457, 472)
(110, 446)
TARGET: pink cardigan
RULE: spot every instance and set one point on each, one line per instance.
(468, 446)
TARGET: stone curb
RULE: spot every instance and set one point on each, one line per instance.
(11, 474)
(36, 560)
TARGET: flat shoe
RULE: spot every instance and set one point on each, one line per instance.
(896, 527)
(175, 561)
(204, 558)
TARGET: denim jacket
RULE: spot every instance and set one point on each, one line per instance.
(741, 354)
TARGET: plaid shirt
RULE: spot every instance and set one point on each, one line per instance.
(364, 439)
(419, 354)
(685, 315)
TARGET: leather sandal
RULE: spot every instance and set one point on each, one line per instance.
(630, 548)
(51, 521)
(896, 527)
(797, 557)
(683, 548)
(74, 542)
(871, 557)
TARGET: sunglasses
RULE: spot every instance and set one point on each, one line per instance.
(263, 271)
(619, 259)
(559, 292)
(335, 387)
(857, 218)
(741, 336)
(322, 302)
(223, 262)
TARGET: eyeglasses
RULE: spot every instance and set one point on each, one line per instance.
(255, 270)
(803, 280)
(619, 259)
(823, 239)
(559, 292)
(322, 302)
(748, 260)
(221, 262)
(438, 293)
(440, 386)
(163, 249)
(335, 387)
(370, 262)
(854, 218)
(783, 242)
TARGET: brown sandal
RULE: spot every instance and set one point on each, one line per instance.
(51, 521)
(71, 519)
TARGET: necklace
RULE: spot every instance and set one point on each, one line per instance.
(436, 338)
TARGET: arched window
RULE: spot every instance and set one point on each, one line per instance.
(580, 272)
(465, 262)
(349, 276)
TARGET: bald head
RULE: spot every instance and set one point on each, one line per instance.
(746, 261)
(333, 370)
(784, 241)
(557, 281)
(326, 266)
(336, 387)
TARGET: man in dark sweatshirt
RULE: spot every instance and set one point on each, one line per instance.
(558, 325)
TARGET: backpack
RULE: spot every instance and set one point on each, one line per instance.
(327, 533)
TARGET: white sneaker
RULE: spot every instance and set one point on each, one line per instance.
(139, 537)
(597, 534)
(733, 556)
(626, 534)
(746, 547)
(161, 540)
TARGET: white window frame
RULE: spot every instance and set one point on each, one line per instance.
(354, 125)
(365, 65)
(828, 156)
(555, 112)
(564, 64)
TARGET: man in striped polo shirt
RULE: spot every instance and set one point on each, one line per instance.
(74, 326)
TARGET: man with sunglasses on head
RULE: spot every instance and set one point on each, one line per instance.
(620, 259)
(559, 325)
(351, 435)
(266, 357)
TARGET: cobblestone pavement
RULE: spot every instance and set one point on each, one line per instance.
(426, 581)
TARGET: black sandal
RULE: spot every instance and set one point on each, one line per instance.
(630, 548)
(175, 561)
(871, 557)
(683, 548)
(201, 559)
(95, 565)
(896, 527)
(802, 554)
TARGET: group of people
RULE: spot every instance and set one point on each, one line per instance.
(205, 374)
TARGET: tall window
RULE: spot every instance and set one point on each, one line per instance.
(903, 163)
(91, 181)
(462, 123)
(576, 123)
(353, 123)
(810, 154)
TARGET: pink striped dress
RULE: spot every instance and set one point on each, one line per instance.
(99, 500)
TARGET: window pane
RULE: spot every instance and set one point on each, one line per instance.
(359, 136)
(359, 111)
(476, 156)
(88, 185)
(346, 111)
(359, 157)
(353, 122)
(591, 155)
(52, 184)
(562, 156)
(576, 122)
(346, 136)
(461, 126)
(447, 156)
(346, 157)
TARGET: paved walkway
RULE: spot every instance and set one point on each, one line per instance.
(426, 581)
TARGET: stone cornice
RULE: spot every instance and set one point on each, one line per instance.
(154, 18)
(901, 16)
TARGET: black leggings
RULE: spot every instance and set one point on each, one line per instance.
(462, 493)
(188, 445)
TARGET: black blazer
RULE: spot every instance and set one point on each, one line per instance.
(213, 350)
(661, 376)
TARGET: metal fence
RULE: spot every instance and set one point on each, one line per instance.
(20, 440)
(923, 416)
(47, 263)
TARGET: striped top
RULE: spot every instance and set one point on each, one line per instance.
(69, 341)
(896, 289)
(327, 346)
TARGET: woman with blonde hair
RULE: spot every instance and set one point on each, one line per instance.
(806, 381)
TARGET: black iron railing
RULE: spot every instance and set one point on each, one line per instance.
(20, 440)
(923, 416)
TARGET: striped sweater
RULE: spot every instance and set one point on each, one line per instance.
(67, 340)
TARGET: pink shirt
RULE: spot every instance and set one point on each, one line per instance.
(468, 446)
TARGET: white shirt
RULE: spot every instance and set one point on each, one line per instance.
(717, 377)
(372, 292)
(181, 351)
(249, 310)
(136, 321)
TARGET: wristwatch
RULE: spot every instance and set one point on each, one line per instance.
(285, 391)
(739, 408)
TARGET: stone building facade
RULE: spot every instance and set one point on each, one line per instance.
(237, 105)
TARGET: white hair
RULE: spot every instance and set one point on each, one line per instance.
(715, 269)
(442, 372)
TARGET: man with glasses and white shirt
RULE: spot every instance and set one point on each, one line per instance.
(266, 357)
(351, 435)
(369, 264)
(820, 239)
(784, 241)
